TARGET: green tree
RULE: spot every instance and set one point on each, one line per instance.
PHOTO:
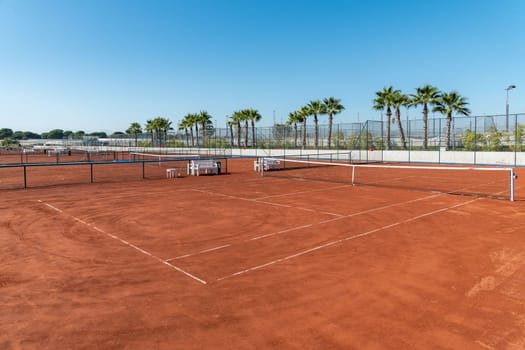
(134, 129)
(31, 135)
(99, 134)
(493, 139)
(162, 126)
(332, 107)
(55, 134)
(237, 117)
(9, 142)
(294, 118)
(304, 112)
(398, 99)
(5, 132)
(253, 116)
(149, 127)
(184, 125)
(204, 119)
(192, 121)
(24, 135)
(18, 135)
(384, 100)
(316, 108)
(78, 134)
(469, 139)
(448, 104)
(427, 95)
(117, 134)
(231, 124)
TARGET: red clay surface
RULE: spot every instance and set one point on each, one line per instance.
(245, 262)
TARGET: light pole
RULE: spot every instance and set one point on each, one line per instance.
(510, 87)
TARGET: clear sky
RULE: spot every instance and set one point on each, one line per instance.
(101, 64)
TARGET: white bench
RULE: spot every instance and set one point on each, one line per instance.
(208, 166)
(171, 173)
(267, 163)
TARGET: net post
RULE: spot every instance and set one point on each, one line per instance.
(25, 177)
(91, 172)
(512, 178)
(353, 175)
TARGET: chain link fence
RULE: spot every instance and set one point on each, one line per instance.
(494, 133)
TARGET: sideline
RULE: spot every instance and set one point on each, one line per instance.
(165, 262)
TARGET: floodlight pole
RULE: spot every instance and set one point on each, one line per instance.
(510, 87)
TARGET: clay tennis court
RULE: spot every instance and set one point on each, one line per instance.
(242, 261)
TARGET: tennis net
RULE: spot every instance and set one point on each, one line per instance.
(491, 182)
(163, 158)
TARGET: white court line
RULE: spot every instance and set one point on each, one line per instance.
(338, 217)
(345, 216)
(201, 252)
(309, 225)
(303, 192)
(255, 200)
(127, 243)
(364, 234)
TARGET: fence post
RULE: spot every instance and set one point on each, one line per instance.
(382, 139)
(516, 139)
(475, 138)
(439, 141)
(408, 138)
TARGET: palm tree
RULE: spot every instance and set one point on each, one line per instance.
(204, 118)
(134, 129)
(244, 114)
(450, 103)
(332, 107)
(237, 118)
(231, 123)
(163, 125)
(150, 128)
(425, 95)
(294, 118)
(316, 108)
(189, 121)
(304, 112)
(254, 116)
(193, 121)
(384, 100)
(184, 125)
(398, 100)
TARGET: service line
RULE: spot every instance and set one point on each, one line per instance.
(348, 238)
(295, 228)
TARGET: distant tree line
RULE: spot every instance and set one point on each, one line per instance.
(52, 134)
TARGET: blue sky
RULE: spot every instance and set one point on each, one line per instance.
(101, 64)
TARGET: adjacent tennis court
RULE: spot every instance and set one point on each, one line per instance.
(298, 258)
